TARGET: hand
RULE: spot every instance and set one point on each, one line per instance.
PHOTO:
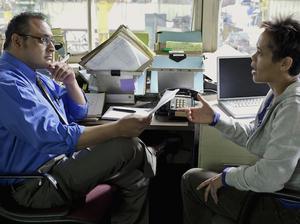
(62, 72)
(133, 125)
(212, 185)
(200, 114)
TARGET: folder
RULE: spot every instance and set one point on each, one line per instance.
(189, 41)
(188, 36)
(123, 51)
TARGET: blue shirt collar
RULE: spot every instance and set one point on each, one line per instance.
(25, 69)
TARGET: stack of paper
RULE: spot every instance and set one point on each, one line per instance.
(122, 51)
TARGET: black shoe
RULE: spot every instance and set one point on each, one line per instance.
(169, 145)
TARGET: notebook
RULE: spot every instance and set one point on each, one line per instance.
(96, 103)
(237, 93)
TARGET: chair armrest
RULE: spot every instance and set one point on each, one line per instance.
(252, 198)
(22, 176)
(287, 194)
(92, 121)
(35, 176)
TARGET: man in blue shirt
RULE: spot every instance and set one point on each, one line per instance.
(38, 130)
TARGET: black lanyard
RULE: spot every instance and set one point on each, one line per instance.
(42, 87)
(262, 114)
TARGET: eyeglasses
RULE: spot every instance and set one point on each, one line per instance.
(46, 40)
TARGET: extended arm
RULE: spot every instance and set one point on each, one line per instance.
(129, 126)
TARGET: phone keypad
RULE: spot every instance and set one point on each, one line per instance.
(180, 103)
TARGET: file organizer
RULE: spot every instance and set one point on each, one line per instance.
(187, 73)
(117, 65)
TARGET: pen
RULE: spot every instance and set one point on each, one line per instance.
(66, 58)
(124, 110)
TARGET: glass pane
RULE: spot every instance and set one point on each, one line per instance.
(142, 15)
(68, 15)
(240, 20)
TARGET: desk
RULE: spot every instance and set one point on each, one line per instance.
(162, 128)
(164, 192)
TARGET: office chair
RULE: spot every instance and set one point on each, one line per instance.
(96, 208)
(252, 198)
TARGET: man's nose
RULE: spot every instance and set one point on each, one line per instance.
(51, 46)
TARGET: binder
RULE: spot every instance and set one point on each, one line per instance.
(123, 51)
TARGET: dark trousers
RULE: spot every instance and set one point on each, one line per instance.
(231, 200)
(124, 162)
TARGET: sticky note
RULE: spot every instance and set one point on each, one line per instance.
(127, 85)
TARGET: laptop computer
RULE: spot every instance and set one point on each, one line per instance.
(237, 93)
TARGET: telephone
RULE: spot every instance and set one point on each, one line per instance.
(184, 98)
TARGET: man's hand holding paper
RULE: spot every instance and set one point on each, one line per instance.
(133, 125)
(115, 113)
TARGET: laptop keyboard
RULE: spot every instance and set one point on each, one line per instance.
(242, 107)
(244, 103)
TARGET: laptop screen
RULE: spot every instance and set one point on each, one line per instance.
(235, 78)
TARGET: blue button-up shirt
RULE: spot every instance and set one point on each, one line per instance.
(31, 132)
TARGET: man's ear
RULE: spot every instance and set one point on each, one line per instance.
(16, 40)
(286, 63)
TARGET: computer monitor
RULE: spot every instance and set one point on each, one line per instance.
(235, 78)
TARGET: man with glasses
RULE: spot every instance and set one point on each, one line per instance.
(39, 133)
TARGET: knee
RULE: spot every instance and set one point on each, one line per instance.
(188, 178)
(193, 177)
(130, 143)
(127, 144)
(131, 148)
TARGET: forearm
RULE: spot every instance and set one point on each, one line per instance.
(96, 134)
(234, 130)
(76, 93)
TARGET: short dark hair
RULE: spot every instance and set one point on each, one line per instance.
(20, 24)
(285, 34)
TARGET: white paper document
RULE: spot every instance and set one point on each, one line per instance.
(117, 112)
(168, 95)
(120, 54)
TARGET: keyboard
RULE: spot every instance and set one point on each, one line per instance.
(244, 102)
(242, 108)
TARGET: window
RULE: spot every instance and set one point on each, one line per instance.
(240, 20)
(106, 16)
(70, 16)
(142, 15)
